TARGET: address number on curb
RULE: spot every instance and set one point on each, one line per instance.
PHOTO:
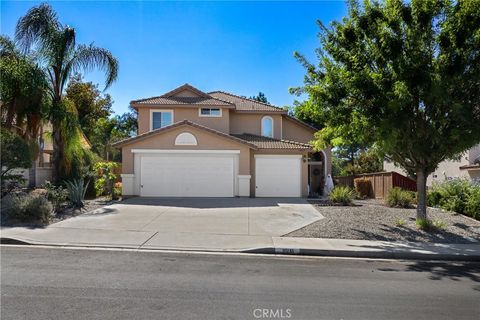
(287, 250)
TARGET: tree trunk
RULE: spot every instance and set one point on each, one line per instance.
(57, 152)
(422, 194)
(10, 113)
(32, 175)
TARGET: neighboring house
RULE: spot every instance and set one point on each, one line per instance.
(41, 171)
(196, 144)
(467, 166)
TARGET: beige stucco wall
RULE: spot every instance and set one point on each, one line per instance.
(279, 151)
(205, 140)
(185, 113)
(296, 132)
(252, 123)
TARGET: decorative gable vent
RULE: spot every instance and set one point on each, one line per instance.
(185, 139)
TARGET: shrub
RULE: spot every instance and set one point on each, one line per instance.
(15, 153)
(458, 195)
(104, 184)
(363, 187)
(76, 192)
(56, 195)
(424, 224)
(28, 208)
(400, 222)
(439, 224)
(429, 225)
(472, 205)
(117, 189)
(39, 192)
(343, 195)
(434, 197)
(399, 198)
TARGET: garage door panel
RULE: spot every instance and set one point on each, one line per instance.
(187, 175)
(277, 176)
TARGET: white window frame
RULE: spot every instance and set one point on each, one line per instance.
(209, 115)
(160, 110)
(261, 127)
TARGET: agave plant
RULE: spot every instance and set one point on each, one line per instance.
(76, 190)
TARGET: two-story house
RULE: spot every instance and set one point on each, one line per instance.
(196, 144)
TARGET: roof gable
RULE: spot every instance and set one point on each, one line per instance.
(186, 91)
(148, 134)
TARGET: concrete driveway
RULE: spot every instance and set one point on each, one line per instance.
(182, 223)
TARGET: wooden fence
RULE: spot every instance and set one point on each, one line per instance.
(381, 182)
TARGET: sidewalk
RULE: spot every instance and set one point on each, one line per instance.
(100, 238)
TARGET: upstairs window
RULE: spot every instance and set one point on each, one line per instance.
(161, 119)
(267, 127)
(210, 112)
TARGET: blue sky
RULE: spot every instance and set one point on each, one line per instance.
(240, 47)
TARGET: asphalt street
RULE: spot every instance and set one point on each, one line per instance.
(54, 283)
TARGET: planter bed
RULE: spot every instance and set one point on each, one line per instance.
(64, 213)
(372, 220)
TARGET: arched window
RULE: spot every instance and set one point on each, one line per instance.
(185, 139)
(267, 126)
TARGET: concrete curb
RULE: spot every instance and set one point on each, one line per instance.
(395, 251)
(366, 254)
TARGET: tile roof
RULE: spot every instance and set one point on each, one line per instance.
(178, 124)
(170, 98)
(182, 100)
(271, 143)
(245, 104)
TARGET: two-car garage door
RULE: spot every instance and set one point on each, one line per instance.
(197, 174)
(187, 175)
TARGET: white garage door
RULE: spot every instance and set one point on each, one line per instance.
(187, 175)
(278, 176)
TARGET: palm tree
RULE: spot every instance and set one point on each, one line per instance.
(23, 91)
(60, 55)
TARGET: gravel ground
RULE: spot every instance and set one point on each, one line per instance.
(372, 220)
(89, 205)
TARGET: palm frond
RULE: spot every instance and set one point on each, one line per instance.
(37, 26)
(90, 57)
(7, 47)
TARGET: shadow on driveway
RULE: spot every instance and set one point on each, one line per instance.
(212, 203)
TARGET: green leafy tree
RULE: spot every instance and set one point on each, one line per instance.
(23, 92)
(15, 153)
(405, 75)
(260, 98)
(103, 135)
(365, 161)
(91, 105)
(348, 145)
(55, 45)
(127, 124)
(23, 97)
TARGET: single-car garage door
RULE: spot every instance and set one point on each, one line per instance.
(278, 176)
(187, 175)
